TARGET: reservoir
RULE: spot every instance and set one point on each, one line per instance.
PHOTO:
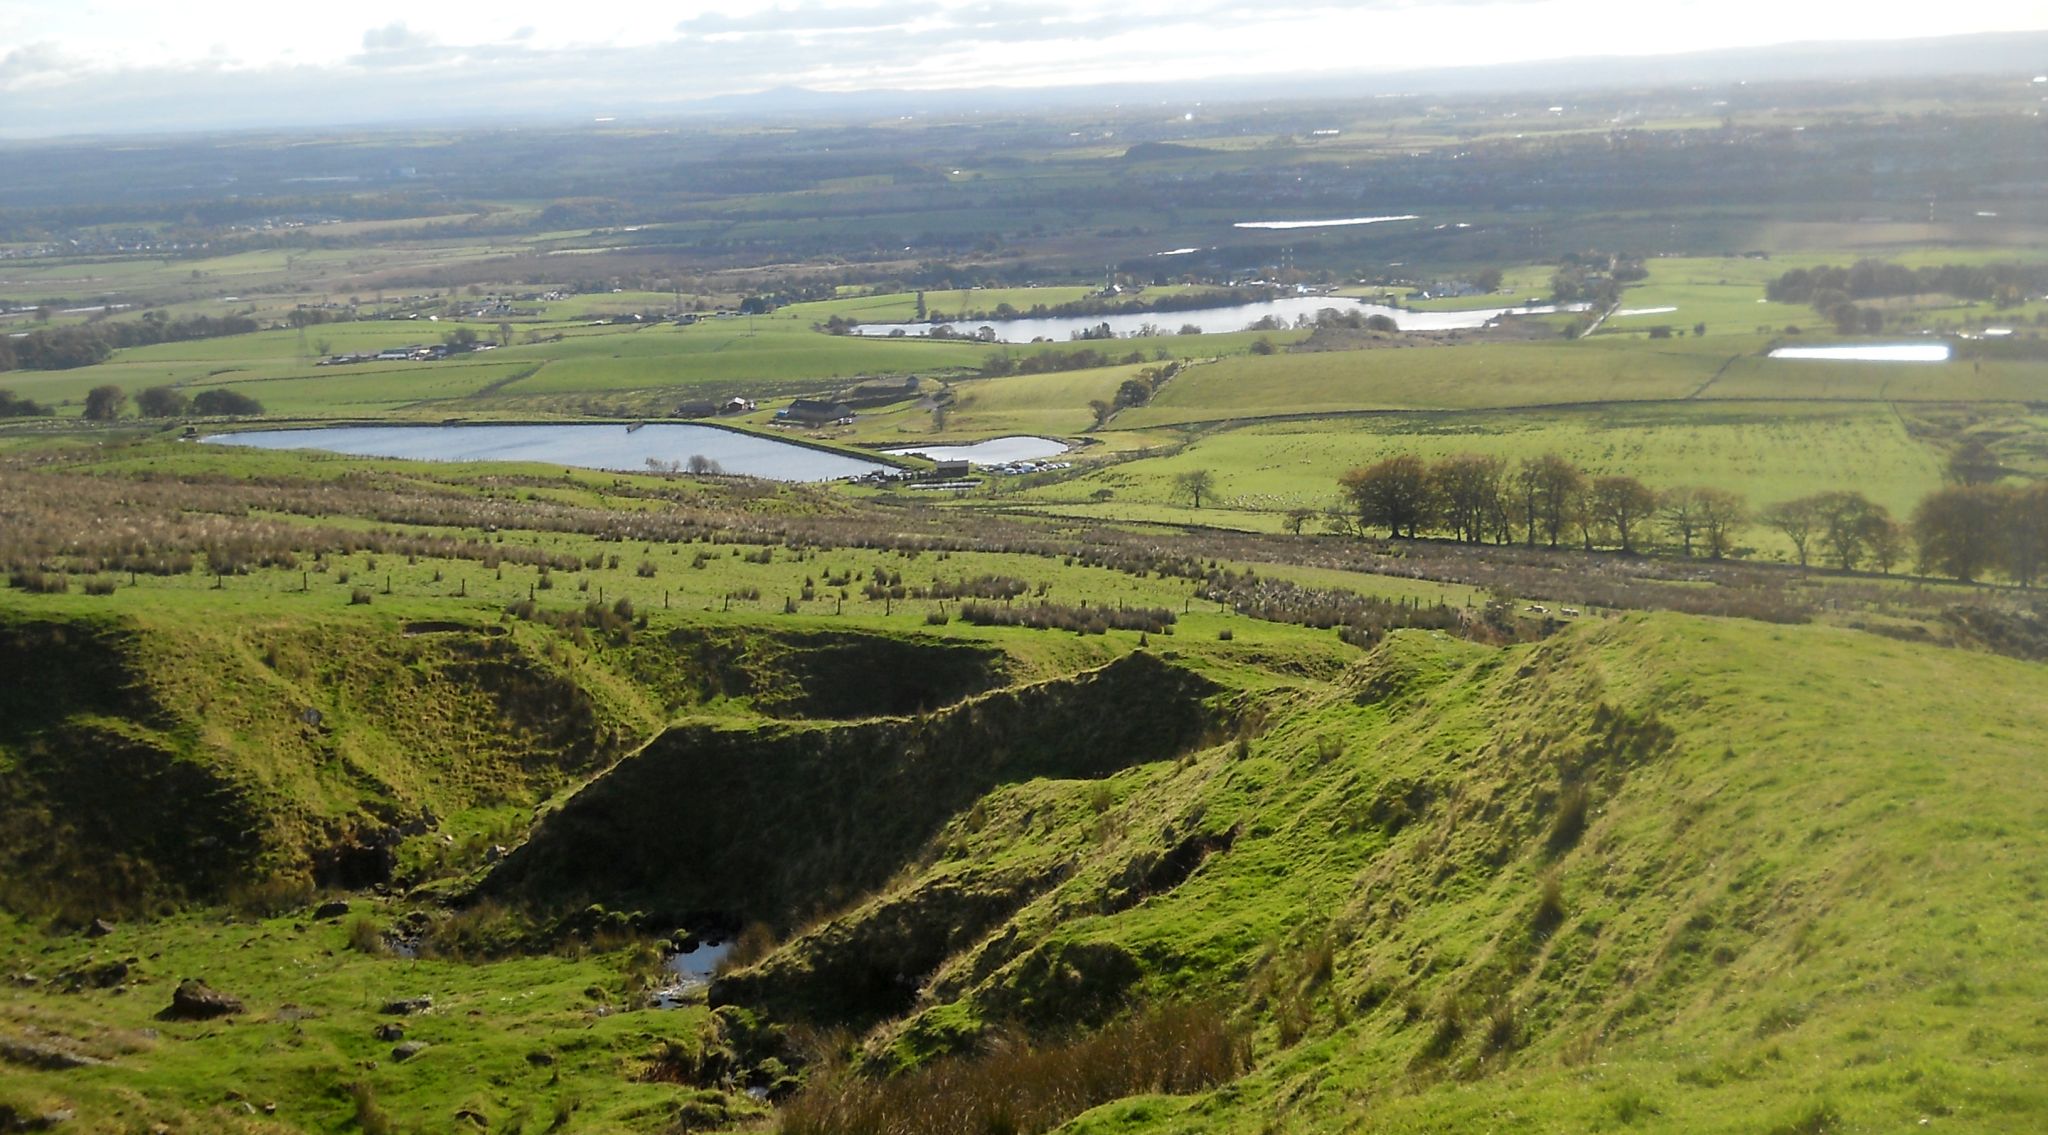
(617, 447)
(1211, 320)
(1870, 353)
(994, 451)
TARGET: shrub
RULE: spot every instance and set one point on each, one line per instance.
(365, 936)
(1080, 620)
(370, 1118)
(41, 582)
(1550, 908)
(1570, 823)
(359, 597)
(1021, 1087)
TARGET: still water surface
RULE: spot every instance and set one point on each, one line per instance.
(585, 446)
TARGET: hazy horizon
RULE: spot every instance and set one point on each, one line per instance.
(119, 66)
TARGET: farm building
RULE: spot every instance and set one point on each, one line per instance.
(814, 412)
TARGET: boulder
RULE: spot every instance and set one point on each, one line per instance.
(100, 928)
(408, 1050)
(194, 1000)
(332, 908)
(407, 1006)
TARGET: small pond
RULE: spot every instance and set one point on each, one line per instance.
(620, 447)
(994, 451)
(689, 972)
(1871, 353)
(1211, 320)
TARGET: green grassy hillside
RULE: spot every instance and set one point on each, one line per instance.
(1659, 873)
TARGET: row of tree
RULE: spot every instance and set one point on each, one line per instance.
(1966, 530)
(13, 405)
(108, 403)
(61, 348)
(1476, 498)
(1872, 279)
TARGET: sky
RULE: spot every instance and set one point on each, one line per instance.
(96, 65)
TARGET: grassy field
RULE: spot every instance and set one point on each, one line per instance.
(1767, 453)
(1754, 801)
(520, 1044)
(1474, 377)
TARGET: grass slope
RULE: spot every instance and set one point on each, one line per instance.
(1659, 873)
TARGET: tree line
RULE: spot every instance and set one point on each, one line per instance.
(109, 402)
(1875, 279)
(61, 348)
(1969, 530)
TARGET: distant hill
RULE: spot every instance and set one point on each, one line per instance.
(1164, 151)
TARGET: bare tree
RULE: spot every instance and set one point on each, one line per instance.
(1195, 484)
(1469, 489)
(1798, 520)
(1722, 516)
(1679, 510)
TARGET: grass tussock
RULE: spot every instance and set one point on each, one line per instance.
(365, 936)
(1022, 1088)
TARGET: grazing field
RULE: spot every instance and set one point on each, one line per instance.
(1765, 452)
(1454, 377)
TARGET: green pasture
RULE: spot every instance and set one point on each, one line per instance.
(516, 1042)
(1957, 381)
(1453, 377)
(1765, 452)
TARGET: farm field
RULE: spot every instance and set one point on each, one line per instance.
(1766, 452)
(1491, 375)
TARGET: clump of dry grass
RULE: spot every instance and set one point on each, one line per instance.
(1022, 1087)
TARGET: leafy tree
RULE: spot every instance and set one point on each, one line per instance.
(1195, 484)
(1469, 488)
(105, 403)
(1102, 411)
(1548, 485)
(1958, 530)
(220, 402)
(2026, 533)
(1133, 392)
(1622, 503)
(1887, 542)
(1487, 279)
(1298, 518)
(161, 402)
(14, 406)
(1396, 493)
(1849, 521)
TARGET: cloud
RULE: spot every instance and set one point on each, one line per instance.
(38, 65)
(395, 36)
